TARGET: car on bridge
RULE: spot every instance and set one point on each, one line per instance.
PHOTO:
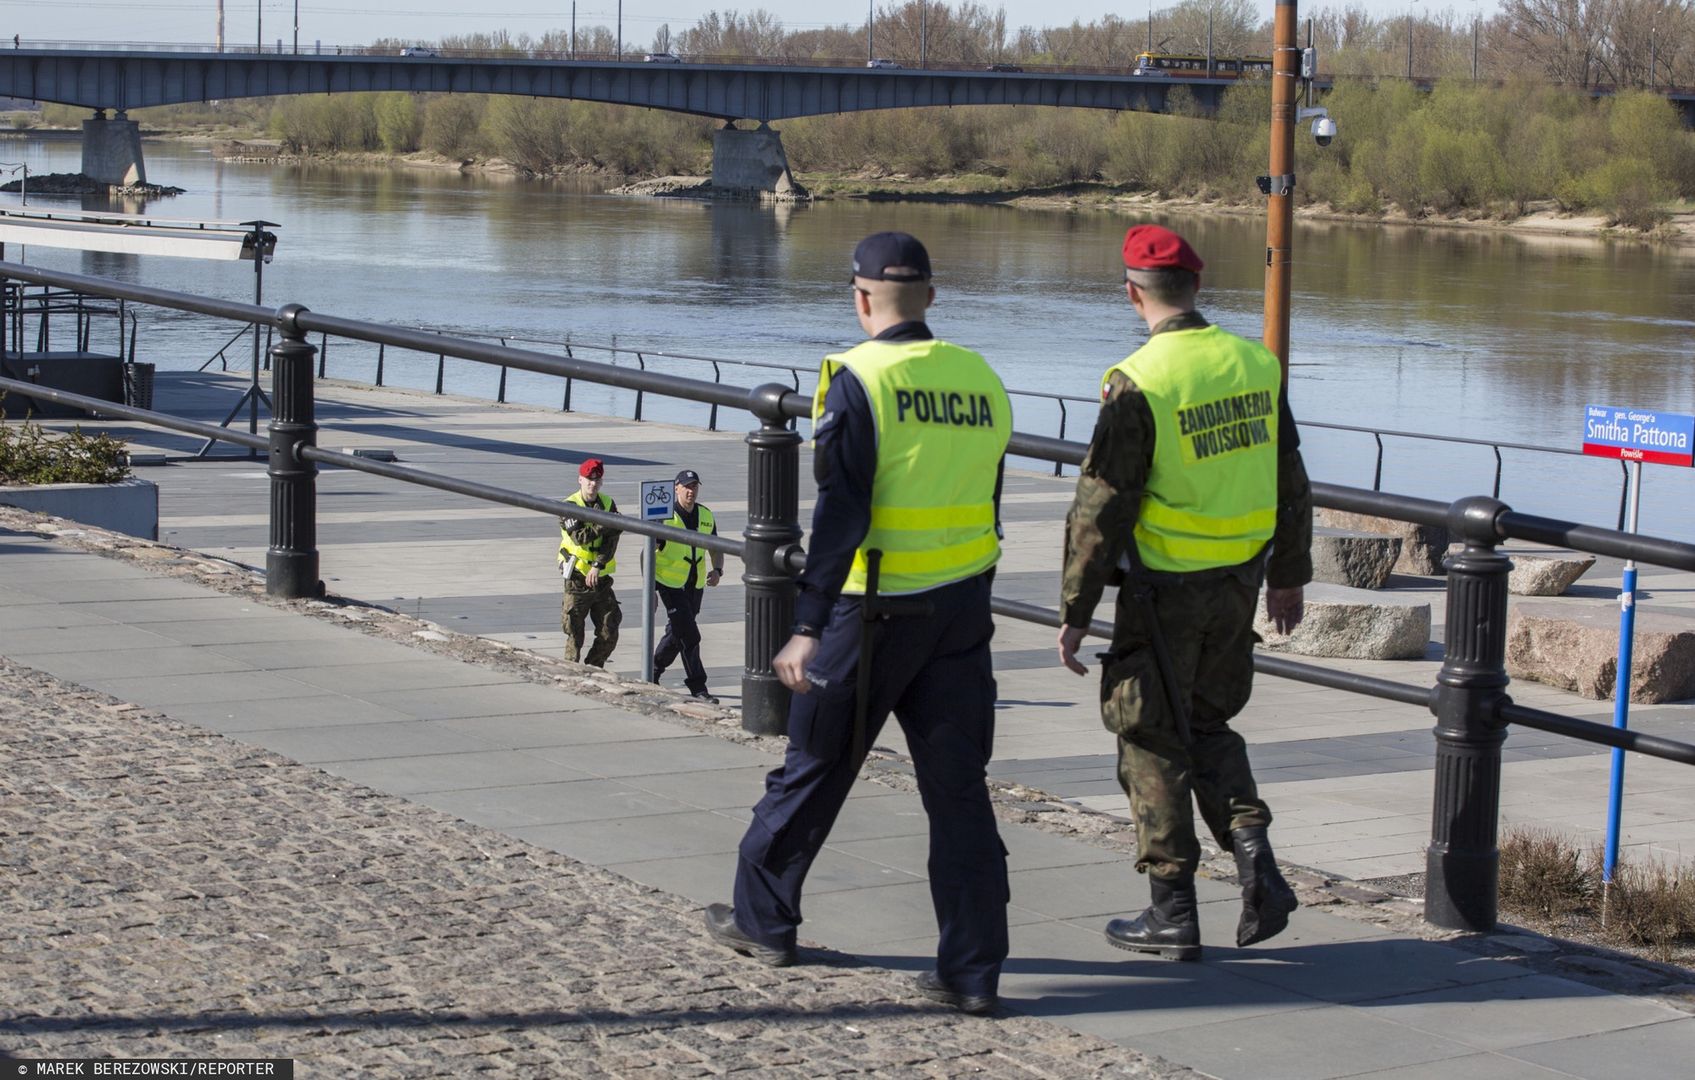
(880, 62)
(662, 58)
(1005, 68)
(421, 50)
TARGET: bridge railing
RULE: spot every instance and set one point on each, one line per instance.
(1469, 699)
(316, 48)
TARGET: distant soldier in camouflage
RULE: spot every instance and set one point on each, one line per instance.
(587, 564)
(1192, 494)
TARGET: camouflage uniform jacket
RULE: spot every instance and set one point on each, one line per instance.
(1109, 496)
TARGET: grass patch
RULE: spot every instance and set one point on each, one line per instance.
(1549, 880)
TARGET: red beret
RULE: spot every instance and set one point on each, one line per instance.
(593, 468)
(1153, 247)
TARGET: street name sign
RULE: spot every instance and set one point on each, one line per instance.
(1648, 435)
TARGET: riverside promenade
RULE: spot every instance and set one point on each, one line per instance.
(389, 841)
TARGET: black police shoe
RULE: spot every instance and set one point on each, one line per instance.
(702, 695)
(930, 984)
(721, 927)
(1168, 928)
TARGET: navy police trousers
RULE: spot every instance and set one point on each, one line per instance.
(934, 673)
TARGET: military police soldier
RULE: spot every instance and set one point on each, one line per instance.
(1192, 493)
(911, 433)
(586, 562)
(679, 573)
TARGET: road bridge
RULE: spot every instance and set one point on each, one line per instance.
(118, 80)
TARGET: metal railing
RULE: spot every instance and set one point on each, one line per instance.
(798, 377)
(19, 303)
(1469, 698)
(1495, 445)
(642, 355)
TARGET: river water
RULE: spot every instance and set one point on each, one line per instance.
(1457, 333)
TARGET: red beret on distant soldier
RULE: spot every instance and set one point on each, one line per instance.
(1154, 247)
(593, 468)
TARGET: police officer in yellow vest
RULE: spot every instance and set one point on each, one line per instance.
(679, 573)
(1191, 495)
(586, 552)
(910, 436)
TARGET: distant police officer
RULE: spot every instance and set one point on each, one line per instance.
(586, 560)
(679, 573)
(1192, 493)
(911, 433)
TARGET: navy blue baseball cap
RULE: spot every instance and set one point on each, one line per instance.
(687, 478)
(891, 256)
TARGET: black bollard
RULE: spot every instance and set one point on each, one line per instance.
(773, 510)
(291, 563)
(1462, 866)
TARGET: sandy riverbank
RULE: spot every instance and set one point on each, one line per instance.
(1543, 219)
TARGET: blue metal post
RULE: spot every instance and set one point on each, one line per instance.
(1621, 687)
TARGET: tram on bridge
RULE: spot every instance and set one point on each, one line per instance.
(1217, 67)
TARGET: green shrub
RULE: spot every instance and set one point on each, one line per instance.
(1629, 190)
(30, 455)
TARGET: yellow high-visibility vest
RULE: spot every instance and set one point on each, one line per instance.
(586, 554)
(674, 565)
(943, 420)
(1211, 497)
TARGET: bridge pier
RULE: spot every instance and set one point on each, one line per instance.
(111, 149)
(752, 161)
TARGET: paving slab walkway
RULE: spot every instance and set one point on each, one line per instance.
(181, 885)
(1349, 777)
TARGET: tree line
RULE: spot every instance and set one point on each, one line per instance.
(1617, 43)
(1459, 147)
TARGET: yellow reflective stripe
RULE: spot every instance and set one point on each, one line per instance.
(1202, 526)
(1194, 552)
(929, 560)
(974, 515)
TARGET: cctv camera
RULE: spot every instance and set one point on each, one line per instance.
(1323, 130)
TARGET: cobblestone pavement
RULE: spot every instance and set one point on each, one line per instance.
(165, 890)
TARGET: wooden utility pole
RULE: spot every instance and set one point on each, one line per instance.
(1280, 205)
(220, 25)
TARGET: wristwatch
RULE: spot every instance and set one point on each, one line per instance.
(801, 629)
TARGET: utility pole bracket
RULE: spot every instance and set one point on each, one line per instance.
(1276, 185)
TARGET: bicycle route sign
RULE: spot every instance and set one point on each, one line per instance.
(1658, 438)
(656, 500)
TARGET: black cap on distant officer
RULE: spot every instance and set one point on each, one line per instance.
(891, 256)
(688, 478)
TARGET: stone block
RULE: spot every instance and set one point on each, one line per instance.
(1575, 648)
(1353, 623)
(129, 506)
(1358, 560)
(1537, 575)
(1422, 546)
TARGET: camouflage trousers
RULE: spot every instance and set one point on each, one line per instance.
(1209, 633)
(582, 605)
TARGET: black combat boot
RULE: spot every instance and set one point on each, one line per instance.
(1267, 899)
(1169, 927)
